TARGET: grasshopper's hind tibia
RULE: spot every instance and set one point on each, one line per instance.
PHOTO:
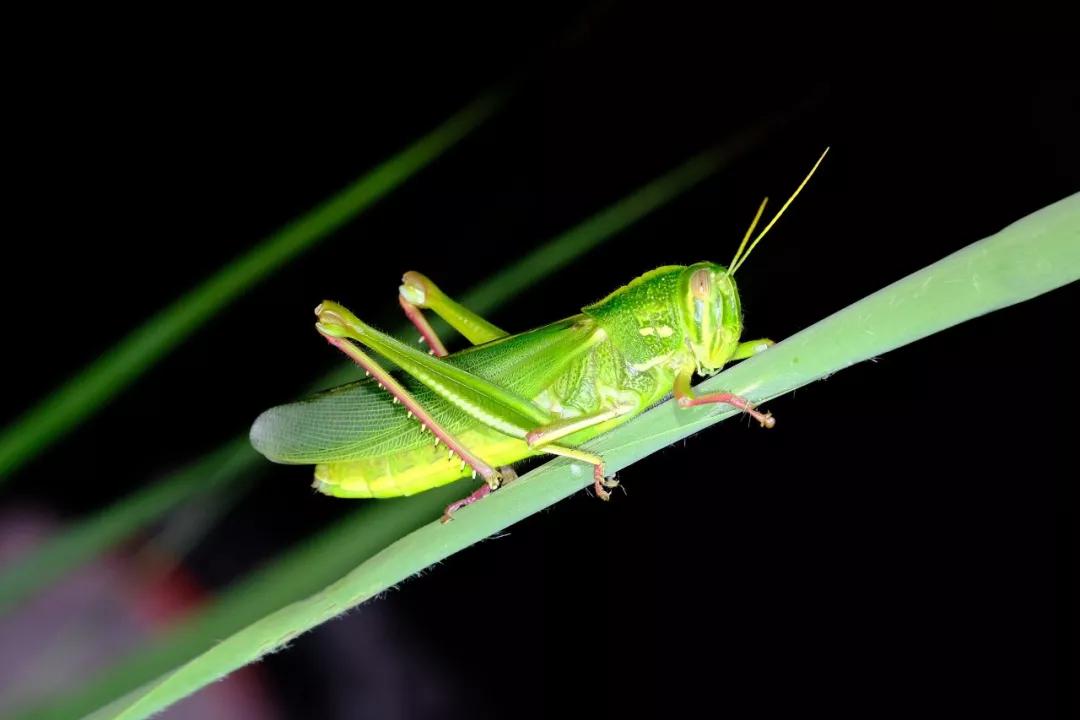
(427, 333)
(400, 394)
(505, 411)
(508, 475)
(417, 292)
(479, 494)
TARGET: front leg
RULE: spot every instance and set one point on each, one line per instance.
(686, 398)
(751, 348)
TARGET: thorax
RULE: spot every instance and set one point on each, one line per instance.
(635, 364)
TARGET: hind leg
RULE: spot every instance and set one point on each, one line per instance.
(418, 292)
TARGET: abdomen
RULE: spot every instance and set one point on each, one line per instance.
(414, 471)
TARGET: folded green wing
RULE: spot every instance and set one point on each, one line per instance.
(346, 423)
(360, 420)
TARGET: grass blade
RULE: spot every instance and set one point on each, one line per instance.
(123, 518)
(88, 391)
(305, 569)
(1034, 255)
(88, 539)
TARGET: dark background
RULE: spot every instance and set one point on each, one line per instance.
(897, 544)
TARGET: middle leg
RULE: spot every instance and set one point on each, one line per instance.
(543, 438)
(601, 483)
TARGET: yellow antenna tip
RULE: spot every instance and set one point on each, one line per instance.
(740, 256)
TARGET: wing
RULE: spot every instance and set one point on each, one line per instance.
(528, 363)
(360, 420)
(346, 423)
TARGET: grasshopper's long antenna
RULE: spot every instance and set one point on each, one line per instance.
(740, 257)
(749, 232)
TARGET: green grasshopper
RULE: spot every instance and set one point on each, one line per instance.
(511, 397)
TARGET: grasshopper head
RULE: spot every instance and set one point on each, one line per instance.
(709, 301)
(711, 314)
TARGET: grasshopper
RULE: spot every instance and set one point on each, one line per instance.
(507, 398)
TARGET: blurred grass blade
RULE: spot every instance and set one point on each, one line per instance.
(87, 539)
(302, 571)
(130, 357)
(567, 247)
(1030, 257)
(93, 536)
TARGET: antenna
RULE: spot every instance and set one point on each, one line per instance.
(740, 257)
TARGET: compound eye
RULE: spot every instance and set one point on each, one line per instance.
(701, 284)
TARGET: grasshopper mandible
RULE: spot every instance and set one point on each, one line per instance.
(511, 397)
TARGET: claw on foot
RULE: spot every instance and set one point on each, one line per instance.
(480, 493)
(600, 483)
(508, 475)
(687, 400)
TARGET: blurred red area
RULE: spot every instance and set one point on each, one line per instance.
(74, 630)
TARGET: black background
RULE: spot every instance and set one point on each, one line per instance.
(896, 545)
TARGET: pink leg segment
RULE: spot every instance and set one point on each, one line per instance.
(766, 419)
(426, 331)
(685, 397)
(392, 386)
(599, 482)
(480, 493)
